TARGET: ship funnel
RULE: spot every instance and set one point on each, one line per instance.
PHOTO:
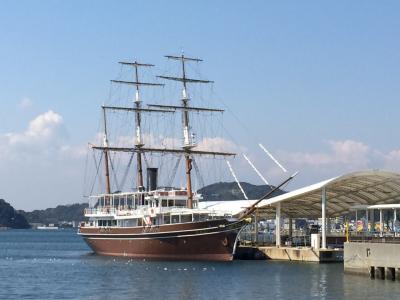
(152, 179)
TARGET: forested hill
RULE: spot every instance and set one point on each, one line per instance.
(61, 213)
(230, 191)
(11, 218)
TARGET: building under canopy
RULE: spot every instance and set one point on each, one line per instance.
(343, 193)
(330, 198)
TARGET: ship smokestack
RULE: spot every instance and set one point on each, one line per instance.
(152, 179)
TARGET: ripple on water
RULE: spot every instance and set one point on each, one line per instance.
(54, 265)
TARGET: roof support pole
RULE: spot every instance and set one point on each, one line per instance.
(372, 217)
(366, 219)
(381, 221)
(328, 225)
(278, 225)
(256, 226)
(323, 211)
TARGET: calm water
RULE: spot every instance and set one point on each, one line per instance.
(59, 265)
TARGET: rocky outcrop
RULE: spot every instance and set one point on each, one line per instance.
(10, 218)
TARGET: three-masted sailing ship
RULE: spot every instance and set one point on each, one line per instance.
(155, 222)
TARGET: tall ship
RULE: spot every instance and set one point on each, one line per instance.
(154, 222)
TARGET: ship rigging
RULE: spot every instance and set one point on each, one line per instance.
(155, 222)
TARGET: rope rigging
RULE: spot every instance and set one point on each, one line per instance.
(114, 174)
(97, 171)
(126, 173)
(198, 174)
(174, 171)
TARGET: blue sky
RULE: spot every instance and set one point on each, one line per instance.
(315, 82)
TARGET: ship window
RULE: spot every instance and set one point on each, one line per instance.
(170, 202)
(203, 217)
(166, 219)
(180, 203)
(164, 203)
(196, 217)
(175, 219)
(128, 223)
(186, 218)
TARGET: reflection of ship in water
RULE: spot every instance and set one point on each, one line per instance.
(155, 222)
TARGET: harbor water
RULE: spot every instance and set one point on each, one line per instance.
(57, 264)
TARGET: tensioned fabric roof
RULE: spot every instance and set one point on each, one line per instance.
(362, 188)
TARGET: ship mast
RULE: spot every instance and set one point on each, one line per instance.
(188, 141)
(137, 105)
(187, 144)
(139, 147)
(138, 143)
(105, 151)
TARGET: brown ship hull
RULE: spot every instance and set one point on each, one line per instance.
(210, 240)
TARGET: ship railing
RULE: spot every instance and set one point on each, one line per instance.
(387, 236)
(145, 210)
(139, 211)
(100, 211)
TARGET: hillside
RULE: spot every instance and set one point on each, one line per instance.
(61, 213)
(9, 217)
(230, 191)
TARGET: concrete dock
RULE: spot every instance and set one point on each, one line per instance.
(304, 254)
(372, 258)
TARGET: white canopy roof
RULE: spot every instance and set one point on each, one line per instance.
(342, 193)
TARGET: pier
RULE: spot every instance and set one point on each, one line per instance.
(326, 208)
(375, 252)
(304, 254)
(376, 258)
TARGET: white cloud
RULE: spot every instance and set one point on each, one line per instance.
(44, 124)
(45, 133)
(39, 166)
(348, 152)
(341, 156)
(25, 103)
(217, 144)
(391, 160)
